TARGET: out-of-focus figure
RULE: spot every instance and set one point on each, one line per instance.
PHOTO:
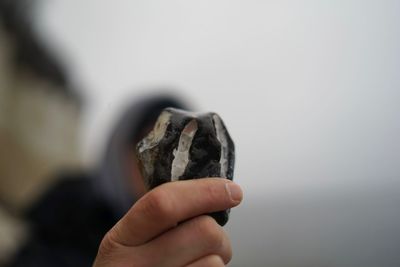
(71, 218)
(39, 112)
(39, 119)
(53, 212)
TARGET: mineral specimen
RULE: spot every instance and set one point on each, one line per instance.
(185, 145)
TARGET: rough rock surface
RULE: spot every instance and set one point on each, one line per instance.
(185, 145)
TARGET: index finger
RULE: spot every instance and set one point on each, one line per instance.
(168, 204)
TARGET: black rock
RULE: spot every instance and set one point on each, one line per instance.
(185, 145)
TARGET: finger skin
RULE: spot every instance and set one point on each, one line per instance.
(194, 239)
(191, 240)
(208, 261)
(167, 221)
(165, 206)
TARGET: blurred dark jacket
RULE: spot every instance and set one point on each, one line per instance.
(70, 220)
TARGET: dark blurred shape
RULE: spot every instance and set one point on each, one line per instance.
(39, 109)
(39, 119)
(70, 220)
(66, 213)
(29, 51)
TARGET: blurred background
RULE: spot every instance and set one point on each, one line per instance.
(309, 91)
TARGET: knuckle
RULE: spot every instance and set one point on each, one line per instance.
(112, 253)
(157, 205)
(108, 246)
(214, 237)
(210, 232)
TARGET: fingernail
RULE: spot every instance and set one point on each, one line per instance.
(234, 191)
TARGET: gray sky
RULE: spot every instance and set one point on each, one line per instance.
(309, 90)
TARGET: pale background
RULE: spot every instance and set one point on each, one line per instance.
(309, 90)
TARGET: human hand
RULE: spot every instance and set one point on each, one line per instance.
(167, 228)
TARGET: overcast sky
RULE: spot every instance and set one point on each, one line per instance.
(309, 89)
